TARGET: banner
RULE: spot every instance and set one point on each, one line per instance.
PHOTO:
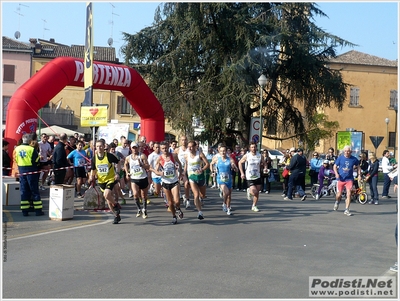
(113, 131)
(88, 59)
(93, 116)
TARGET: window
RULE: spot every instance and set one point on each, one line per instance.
(271, 125)
(354, 97)
(393, 98)
(124, 107)
(9, 73)
(392, 139)
(6, 100)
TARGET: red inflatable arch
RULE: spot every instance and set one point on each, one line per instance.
(68, 71)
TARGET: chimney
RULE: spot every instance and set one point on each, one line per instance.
(38, 48)
(33, 41)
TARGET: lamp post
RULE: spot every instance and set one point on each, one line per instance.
(262, 81)
(387, 132)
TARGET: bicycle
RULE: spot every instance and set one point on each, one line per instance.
(328, 188)
(359, 194)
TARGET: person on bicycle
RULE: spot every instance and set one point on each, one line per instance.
(325, 172)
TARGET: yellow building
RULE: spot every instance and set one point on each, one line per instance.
(371, 102)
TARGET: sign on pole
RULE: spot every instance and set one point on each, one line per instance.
(376, 141)
(88, 59)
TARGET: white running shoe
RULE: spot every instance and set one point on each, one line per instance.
(248, 194)
(347, 212)
(336, 206)
(228, 211)
(187, 204)
(255, 209)
(224, 208)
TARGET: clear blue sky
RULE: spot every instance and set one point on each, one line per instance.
(371, 25)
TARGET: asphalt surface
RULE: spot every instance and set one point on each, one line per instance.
(266, 254)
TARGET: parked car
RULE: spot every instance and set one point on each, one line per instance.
(274, 153)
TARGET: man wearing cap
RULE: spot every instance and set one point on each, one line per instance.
(343, 169)
(137, 164)
(107, 176)
(297, 168)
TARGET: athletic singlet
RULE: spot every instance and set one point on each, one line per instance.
(170, 175)
(136, 171)
(105, 169)
(181, 156)
(224, 174)
(253, 166)
(152, 161)
(193, 166)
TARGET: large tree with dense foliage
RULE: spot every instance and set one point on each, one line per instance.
(204, 59)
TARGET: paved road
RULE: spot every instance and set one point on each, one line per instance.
(269, 254)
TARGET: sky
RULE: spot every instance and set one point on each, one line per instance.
(373, 26)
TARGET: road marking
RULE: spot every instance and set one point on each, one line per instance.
(64, 228)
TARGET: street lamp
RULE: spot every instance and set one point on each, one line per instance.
(387, 132)
(262, 81)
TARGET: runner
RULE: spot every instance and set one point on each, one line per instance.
(137, 165)
(103, 169)
(193, 168)
(222, 166)
(252, 174)
(169, 168)
(181, 152)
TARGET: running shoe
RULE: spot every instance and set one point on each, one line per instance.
(187, 204)
(287, 199)
(347, 212)
(117, 219)
(303, 198)
(117, 208)
(255, 209)
(248, 194)
(42, 188)
(180, 213)
(123, 192)
(224, 208)
(336, 206)
(200, 216)
(144, 213)
(228, 211)
(174, 220)
(130, 193)
(317, 196)
(139, 213)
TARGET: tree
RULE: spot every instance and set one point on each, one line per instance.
(204, 59)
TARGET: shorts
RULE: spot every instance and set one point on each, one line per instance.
(43, 164)
(168, 186)
(347, 184)
(254, 182)
(80, 172)
(142, 183)
(156, 180)
(199, 183)
(107, 185)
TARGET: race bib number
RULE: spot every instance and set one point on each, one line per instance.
(169, 171)
(224, 177)
(136, 171)
(102, 169)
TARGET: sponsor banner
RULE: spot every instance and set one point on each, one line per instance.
(93, 116)
(352, 287)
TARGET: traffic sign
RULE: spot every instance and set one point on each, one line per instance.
(376, 141)
(255, 138)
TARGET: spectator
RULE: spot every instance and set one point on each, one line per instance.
(315, 165)
(60, 160)
(373, 179)
(297, 168)
(6, 159)
(386, 168)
